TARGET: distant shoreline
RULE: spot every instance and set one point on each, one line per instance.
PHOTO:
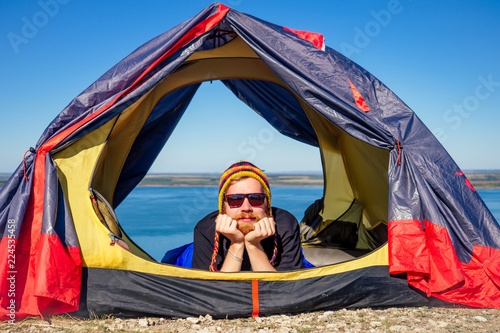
(480, 179)
(185, 180)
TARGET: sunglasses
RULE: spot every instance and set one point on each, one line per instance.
(236, 200)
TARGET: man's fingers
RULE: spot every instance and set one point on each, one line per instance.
(224, 223)
(268, 226)
(229, 228)
(263, 229)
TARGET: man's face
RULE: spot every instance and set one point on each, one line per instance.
(246, 214)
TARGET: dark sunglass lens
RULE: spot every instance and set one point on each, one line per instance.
(235, 200)
(256, 199)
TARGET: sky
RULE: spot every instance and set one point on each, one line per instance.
(441, 58)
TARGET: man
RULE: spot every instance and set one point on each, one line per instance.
(246, 233)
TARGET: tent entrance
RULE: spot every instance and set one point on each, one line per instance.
(354, 170)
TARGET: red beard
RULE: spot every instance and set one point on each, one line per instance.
(246, 227)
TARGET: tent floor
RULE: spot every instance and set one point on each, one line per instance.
(329, 256)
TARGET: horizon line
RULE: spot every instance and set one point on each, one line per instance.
(269, 173)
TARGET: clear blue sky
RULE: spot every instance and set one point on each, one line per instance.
(441, 58)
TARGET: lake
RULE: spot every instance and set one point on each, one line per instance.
(162, 218)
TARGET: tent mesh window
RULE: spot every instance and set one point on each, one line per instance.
(105, 213)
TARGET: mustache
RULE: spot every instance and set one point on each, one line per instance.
(246, 216)
(246, 227)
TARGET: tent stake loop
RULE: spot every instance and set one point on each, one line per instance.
(399, 152)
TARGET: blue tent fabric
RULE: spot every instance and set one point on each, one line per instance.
(277, 105)
(15, 194)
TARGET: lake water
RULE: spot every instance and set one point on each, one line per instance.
(162, 218)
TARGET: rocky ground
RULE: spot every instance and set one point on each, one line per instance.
(420, 319)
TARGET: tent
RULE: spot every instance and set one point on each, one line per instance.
(421, 232)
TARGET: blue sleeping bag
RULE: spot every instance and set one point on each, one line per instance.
(183, 257)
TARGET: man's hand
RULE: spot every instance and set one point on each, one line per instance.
(262, 229)
(229, 228)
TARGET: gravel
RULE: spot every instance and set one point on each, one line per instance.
(411, 319)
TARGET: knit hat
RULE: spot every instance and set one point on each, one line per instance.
(243, 169)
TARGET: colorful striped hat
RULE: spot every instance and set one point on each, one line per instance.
(243, 169)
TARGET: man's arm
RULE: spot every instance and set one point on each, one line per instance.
(258, 258)
(228, 227)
